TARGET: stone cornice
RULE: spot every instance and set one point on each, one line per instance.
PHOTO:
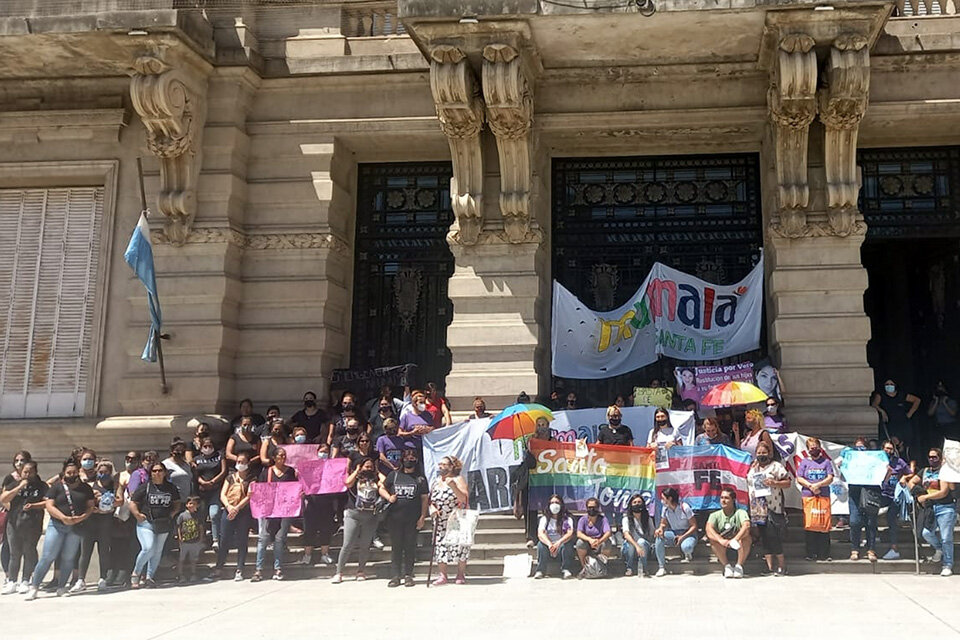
(99, 125)
(259, 241)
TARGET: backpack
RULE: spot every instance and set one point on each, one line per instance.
(594, 568)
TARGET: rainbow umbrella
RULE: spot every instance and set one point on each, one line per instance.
(729, 394)
(517, 421)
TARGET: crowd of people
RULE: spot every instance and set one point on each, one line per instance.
(198, 497)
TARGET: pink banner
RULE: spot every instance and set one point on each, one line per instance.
(323, 476)
(299, 453)
(275, 499)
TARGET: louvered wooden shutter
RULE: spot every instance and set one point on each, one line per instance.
(49, 251)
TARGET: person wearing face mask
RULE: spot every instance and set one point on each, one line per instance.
(99, 527)
(678, 528)
(406, 491)
(943, 409)
(614, 432)
(663, 434)
(360, 519)
(88, 466)
(766, 481)
(246, 411)
(896, 408)
(313, 419)
(555, 534)
(319, 519)
(862, 517)
(449, 492)
(637, 528)
(245, 442)
(69, 502)
(154, 504)
(193, 447)
(299, 435)
(755, 433)
(24, 499)
(773, 421)
(21, 458)
(571, 403)
(521, 483)
(179, 472)
(235, 518)
(210, 467)
(593, 534)
(345, 445)
(382, 411)
(712, 434)
(276, 438)
(416, 421)
(814, 475)
(123, 547)
(348, 411)
(897, 473)
(274, 528)
(938, 497)
(390, 446)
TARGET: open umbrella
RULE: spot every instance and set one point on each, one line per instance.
(517, 421)
(729, 394)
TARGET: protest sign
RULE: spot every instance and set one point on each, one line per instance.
(275, 499)
(950, 471)
(868, 468)
(584, 424)
(297, 453)
(610, 473)
(323, 476)
(700, 473)
(672, 314)
(793, 448)
(694, 382)
(368, 382)
(653, 397)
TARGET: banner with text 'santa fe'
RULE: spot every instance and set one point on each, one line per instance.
(672, 314)
(700, 473)
(607, 472)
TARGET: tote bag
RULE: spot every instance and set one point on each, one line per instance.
(816, 513)
(461, 526)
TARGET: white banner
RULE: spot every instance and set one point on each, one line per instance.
(672, 314)
(793, 449)
(950, 469)
(584, 424)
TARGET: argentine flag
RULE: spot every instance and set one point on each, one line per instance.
(139, 255)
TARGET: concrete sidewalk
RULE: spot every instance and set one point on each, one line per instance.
(853, 606)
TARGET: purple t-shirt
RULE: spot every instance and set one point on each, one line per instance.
(899, 469)
(815, 471)
(594, 531)
(392, 447)
(409, 420)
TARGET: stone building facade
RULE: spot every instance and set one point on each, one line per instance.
(279, 136)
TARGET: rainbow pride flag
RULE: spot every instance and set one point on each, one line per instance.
(610, 473)
(700, 473)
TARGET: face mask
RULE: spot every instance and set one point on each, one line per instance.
(421, 406)
(814, 453)
(763, 459)
(771, 409)
(662, 423)
(242, 467)
(323, 455)
(87, 464)
(18, 464)
(890, 388)
(300, 439)
(892, 456)
(933, 462)
(593, 511)
(309, 404)
(614, 422)
(384, 409)
(554, 508)
(102, 477)
(409, 464)
(201, 436)
(348, 407)
(71, 479)
(636, 508)
(178, 454)
(206, 450)
(860, 447)
(353, 432)
(131, 466)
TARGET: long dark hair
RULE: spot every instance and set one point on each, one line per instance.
(656, 427)
(562, 516)
(644, 515)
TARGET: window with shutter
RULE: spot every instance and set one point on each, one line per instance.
(49, 249)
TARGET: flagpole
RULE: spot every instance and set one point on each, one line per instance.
(158, 337)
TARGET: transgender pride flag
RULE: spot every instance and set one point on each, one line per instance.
(139, 255)
(700, 473)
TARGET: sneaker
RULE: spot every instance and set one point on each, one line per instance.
(566, 575)
(278, 575)
(337, 578)
(8, 588)
(63, 593)
(538, 575)
(307, 559)
(394, 582)
(937, 556)
(409, 582)
(31, 593)
(780, 572)
(326, 559)
(150, 583)
(361, 576)
(661, 572)
(378, 543)
(728, 571)
(946, 572)
(238, 576)
(872, 555)
(893, 554)
(687, 557)
(257, 576)
(531, 544)
(738, 571)
(101, 585)
(78, 586)
(628, 572)
(23, 588)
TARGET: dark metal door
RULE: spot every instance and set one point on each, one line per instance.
(614, 217)
(403, 263)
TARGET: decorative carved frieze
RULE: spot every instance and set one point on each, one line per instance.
(263, 241)
(169, 111)
(509, 102)
(460, 110)
(792, 101)
(843, 102)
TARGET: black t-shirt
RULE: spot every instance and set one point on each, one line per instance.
(208, 467)
(408, 489)
(156, 501)
(76, 504)
(345, 446)
(356, 457)
(258, 422)
(35, 491)
(270, 475)
(622, 436)
(317, 425)
(242, 446)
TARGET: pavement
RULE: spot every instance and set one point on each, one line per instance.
(848, 606)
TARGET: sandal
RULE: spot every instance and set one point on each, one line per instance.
(854, 555)
(872, 555)
(257, 577)
(361, 576)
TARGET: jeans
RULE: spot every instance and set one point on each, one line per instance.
(359, 527)
(23, 549)
(276, 528)
(234, 533)
(565, 555)
(151, 549)
(63, 543)
(687, 545)
(859, 520)
(212, 502)
(946, 516)
(403, 542)
(631, 557)
(99, 532)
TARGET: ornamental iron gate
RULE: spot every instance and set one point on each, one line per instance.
(403, 263)
(614, 217)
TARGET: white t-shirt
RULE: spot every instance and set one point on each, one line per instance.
(549, 526)
(637, 526)
(664, 436)
(678, 519)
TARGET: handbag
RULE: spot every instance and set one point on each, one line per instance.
(594, 567)
(816, 513)
(461, 527)
(870, 500)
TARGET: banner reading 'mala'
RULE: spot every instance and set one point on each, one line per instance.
(672, 314)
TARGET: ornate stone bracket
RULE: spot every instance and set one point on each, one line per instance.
(843, 101)
(510, 113)
(460, 110)
(792, 102)
(168, 110)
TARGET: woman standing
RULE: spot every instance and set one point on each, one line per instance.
(99, 527)
(235, 519)
(9, 481)
(123, 549)
(755, 434)
(24, 501)
(276, 439)
(938, 496)
(180, 473)
(663, 434)
(275, 528)
(319, 519)
(69, 502)
(766, 481)
(406, 491)
(360, 519)
(896, 407)
(449, 492)
(245, 441)
(154, 504)
(815, 475)
(211, 468)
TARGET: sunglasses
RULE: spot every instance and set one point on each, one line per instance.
(19, 460)
(361, 441)
(158, 470)
(933, 457)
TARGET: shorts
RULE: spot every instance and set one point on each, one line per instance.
(773, 533)
(190, 551)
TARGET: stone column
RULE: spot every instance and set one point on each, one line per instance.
(818, 330)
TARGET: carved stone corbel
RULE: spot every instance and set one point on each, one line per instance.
(460, 110)
(792, 101)
(843, 101)
(169, 111)
(509, 101)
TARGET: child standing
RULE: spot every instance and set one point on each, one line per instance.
(190, 534)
